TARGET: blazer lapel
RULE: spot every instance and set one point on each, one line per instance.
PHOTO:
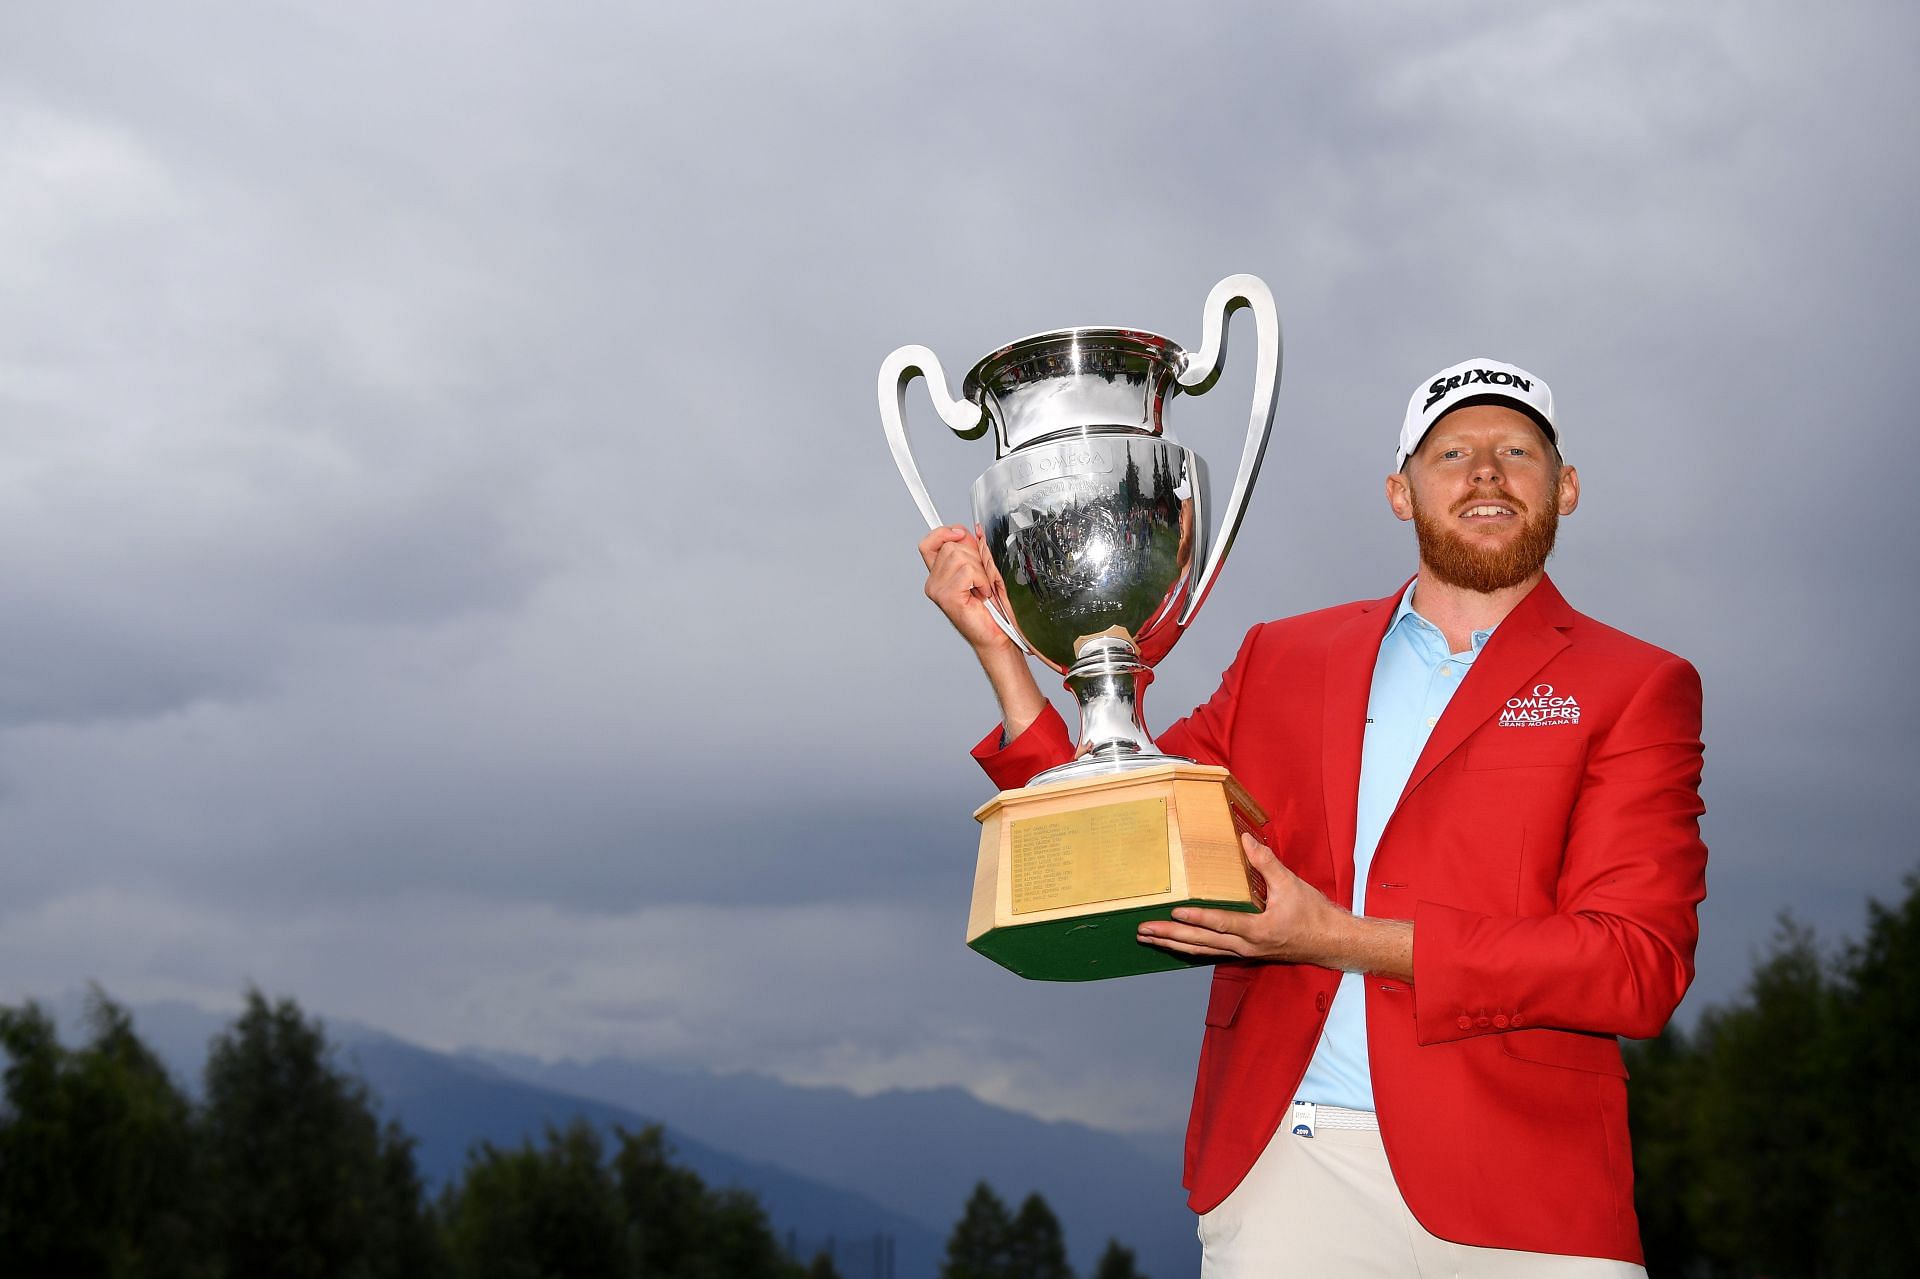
(1526, 640)
(1353, 649)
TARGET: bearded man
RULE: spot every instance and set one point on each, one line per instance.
(1483, 864)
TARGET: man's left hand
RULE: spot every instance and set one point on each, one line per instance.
(1298, 926)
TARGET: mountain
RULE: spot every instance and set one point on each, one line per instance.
(825, 1162)
(452, 1103)
(918, 1152)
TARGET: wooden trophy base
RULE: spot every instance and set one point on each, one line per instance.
(1068, 871)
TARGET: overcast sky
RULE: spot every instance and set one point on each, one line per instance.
(453, 573)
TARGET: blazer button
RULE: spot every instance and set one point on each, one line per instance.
(1500, 1021)
(1320, 1001)
(1482, 1020)
(1465, 1023)
(1514, 1020)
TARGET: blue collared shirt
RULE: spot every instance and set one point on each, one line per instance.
(1413, 680)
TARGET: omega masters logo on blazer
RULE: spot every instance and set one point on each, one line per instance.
(1543, 708)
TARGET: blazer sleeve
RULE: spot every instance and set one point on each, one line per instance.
(1044, 743)
(1617, 954)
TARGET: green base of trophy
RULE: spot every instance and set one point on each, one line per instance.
(1091, 947)
(1069, 871)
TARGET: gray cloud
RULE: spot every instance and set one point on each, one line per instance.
(445, 530)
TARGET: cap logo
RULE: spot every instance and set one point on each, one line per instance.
(1492, 377)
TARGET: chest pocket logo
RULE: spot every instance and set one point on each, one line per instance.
(1542, 708)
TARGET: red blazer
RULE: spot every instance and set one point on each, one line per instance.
(1547, 849)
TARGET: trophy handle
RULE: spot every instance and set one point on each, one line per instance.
(1197, 377)
(965, 419)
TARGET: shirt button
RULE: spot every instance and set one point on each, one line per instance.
(1500, 1021)
(1465, 1023)
(1431, 721)
(1446, 668)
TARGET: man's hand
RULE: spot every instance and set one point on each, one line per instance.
(960, 579)
(1298, 926)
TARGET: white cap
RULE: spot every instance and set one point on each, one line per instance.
(1480, 381)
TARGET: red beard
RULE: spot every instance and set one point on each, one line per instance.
(1452, 559)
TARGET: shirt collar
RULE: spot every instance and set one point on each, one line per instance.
(1426, 631)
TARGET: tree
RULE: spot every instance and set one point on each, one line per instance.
(737, 1242)
(302, 1178)
(532, 1212)
(1130, 482)
(1116, 1263)
(662, 1201)
(979, 1246)
(1877, 1034)
(1663, 1092)
(987, 1243)
(97, 1156)
(683, 1230)
(1035, 1247)
(1782, 1137)
(567, 1211)
(286, 1171)
(1762, 1124)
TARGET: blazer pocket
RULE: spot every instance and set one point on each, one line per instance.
(1574, 1049)
(1223, 1001)
(1498, 747)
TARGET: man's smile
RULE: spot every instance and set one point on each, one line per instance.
(1490, 509)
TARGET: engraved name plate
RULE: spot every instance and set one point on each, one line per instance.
(1090, 855)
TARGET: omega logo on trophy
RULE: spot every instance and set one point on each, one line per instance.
(1096, 525)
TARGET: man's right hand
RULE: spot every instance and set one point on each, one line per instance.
(960, 579)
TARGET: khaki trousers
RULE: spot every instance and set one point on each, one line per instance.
(1326, 1207)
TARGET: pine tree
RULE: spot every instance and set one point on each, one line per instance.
(1762, 1123)
(979, 1247)
(1035, 1247)
(1116, 1263)
(97, 1158)
(302, 1178)
(1877, 1034)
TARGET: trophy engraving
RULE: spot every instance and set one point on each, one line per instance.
(1091, 855)
(1096, 525)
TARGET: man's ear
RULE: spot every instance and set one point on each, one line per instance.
(1400, 495)
(1569, 490)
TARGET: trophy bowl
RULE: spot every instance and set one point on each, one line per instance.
(1095, 520)
(1092, 519)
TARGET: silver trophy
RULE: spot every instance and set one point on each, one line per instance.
(1094, 518)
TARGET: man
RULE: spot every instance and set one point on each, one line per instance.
(1483, 863)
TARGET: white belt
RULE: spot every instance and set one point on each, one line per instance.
(1308, 1118)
